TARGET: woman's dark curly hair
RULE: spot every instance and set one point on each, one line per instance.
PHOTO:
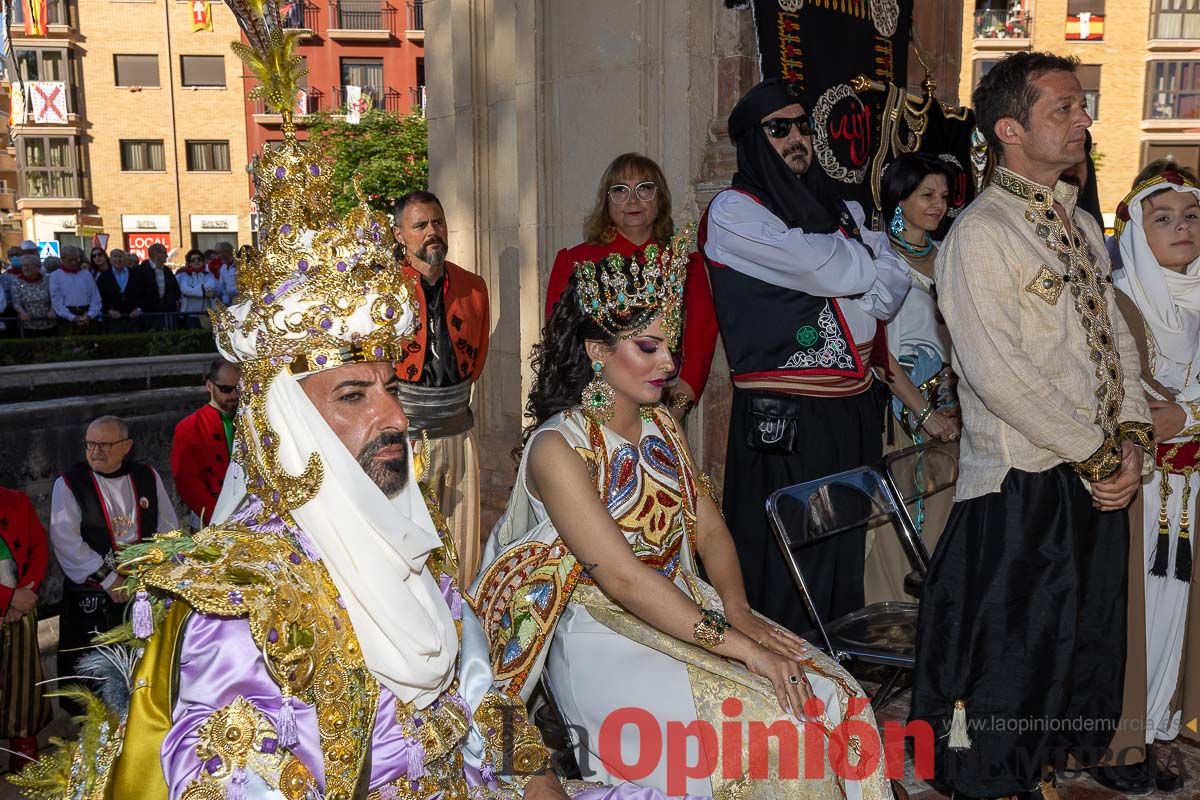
(561, 366)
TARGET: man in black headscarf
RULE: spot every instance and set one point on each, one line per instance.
(801, 294)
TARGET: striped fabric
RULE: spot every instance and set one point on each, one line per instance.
(454, 478)
(811, 385)
(24, 710)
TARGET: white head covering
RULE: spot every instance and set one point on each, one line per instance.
(1169, 301)
(375, 549)
(319, 292)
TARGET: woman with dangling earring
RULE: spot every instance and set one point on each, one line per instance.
(916, 197)
(632, 210)
(591, 580)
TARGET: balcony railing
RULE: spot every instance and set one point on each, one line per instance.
(1175, 19)
(1002, 24)
(384, 98)
(314, 103)
(416, 15)
(418, 100)
(301, 16)
(362, 15)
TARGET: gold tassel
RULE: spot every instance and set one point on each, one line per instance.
(959, 740)
(1162, 549)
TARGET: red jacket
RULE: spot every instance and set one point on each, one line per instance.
(467, 318)
(25, 538)
(700, 317)
(199, 458)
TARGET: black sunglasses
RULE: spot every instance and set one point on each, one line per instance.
(226, 388)
(779, 127)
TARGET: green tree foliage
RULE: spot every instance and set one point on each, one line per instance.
(389, 155)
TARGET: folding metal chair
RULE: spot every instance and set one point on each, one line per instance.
(913, 475)
(801, 515)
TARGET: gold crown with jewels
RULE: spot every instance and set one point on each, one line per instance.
(615, 291)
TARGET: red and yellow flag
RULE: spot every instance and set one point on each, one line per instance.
(202, 16)
(35, 17)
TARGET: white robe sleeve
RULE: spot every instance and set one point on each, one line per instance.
(744, 235)
(78, 561)
(892, 278)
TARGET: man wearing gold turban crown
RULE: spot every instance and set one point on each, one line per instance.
(311, 642)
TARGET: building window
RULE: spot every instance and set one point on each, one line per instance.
(1085, 20)
(47, 166)
(1002, 19)
(208, 156)
(1089, 79)
(38, 64)
(202, 70)
(136, 70)
(1185, 154)
(56, 14)
(208, 241)
(367, 73)
(144, 155)
(1175, 19)
(982, 67)
(1173, 90)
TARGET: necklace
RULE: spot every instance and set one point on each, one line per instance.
(919, 252)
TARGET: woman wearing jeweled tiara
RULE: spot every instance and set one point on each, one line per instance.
(590, 578)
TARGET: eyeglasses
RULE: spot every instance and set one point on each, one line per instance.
(102, 447)
(226, 388)
(779, 127)
(622, 193)
(196, 258)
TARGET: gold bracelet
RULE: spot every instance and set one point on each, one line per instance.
(680, 400)
(709, 632)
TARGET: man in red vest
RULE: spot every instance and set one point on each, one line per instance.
(439, 366)
(203, 439)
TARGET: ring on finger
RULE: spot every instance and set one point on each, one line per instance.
(793, 679)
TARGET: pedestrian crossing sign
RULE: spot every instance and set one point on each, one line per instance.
(48, 248)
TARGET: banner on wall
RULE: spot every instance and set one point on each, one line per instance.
(821, 46)
(36, 17)
(16, 108)
(202, 16)
(139, 243)
(48, 101)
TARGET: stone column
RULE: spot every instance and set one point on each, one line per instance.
(528, 102)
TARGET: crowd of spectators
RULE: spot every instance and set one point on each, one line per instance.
(112, 292)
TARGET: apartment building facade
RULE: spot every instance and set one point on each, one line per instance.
(1139, 67)
(375, 45)
(144, 139)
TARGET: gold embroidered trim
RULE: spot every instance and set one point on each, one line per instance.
(1047, 284)
(1140, 433)
(1102, 463)
(511, 742)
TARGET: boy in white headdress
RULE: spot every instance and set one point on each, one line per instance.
(1158, 232)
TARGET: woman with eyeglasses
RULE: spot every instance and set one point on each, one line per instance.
(633, 210)
(197, 288)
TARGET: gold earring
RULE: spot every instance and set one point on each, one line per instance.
(598, 397)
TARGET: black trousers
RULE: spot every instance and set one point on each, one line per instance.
(1023, 618)
(824, 435)
(85, 612)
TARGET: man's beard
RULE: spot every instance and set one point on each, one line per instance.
(798, 147)
(390, 476)
(437, 257)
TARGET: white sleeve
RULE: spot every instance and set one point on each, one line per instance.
(892, 278)
(78, 561)
(744, 235)
(167, 520)
(93, 299)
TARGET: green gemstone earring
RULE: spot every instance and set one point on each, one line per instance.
(598, 397)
